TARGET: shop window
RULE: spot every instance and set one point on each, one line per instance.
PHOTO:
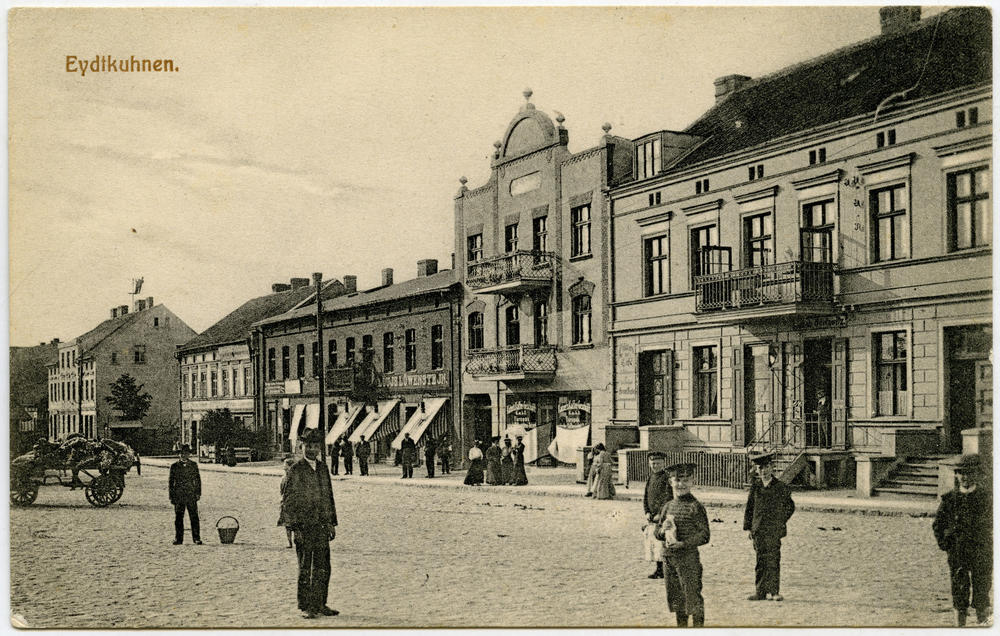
(891, 377)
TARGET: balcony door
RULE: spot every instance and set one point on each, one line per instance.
(513, 323)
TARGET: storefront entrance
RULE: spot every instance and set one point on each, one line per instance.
(970, 381)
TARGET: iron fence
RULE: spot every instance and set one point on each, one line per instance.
(508, 360)
(507, 268)
(721, 470)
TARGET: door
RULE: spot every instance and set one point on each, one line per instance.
(761, 392)
(984, 394)
(656, 387)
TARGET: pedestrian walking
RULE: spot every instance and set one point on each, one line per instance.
(603, 484)
(308, 508)
(769, 506)
(347, 452)
(963, 527)
(507, 462)
(184, 486)
(657, 493)
(334, 453)
(363, 452)
(289, 461)
(493, 470)
(444, 452)
(408, 457)
(520, 477)
(430, 449)
(474, 476)
(683, 527)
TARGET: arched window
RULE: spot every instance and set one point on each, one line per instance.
(581, 320)
(476, 330)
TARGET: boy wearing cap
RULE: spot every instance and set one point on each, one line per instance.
(683, 527)
(769, 506)
(184, 488)
(963, 527)
(658, 492)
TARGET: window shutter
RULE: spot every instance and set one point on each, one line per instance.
(738, 388)
(838, 401)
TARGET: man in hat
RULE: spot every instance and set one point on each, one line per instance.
(769, 506)
(658, 492)
(308, 509)
(409, 455)
(184, 487)
(683, 527)
(963, 527)
(364, 451)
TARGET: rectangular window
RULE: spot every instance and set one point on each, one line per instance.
(879, 139)
(510, 238)
(331, 353)
(437, 347)
(973, 116)
(388, 360)
(476, 340)
(701, 186)
(540, 242)
(114, 357)
(315, 359)
(139, 354)
(654, 198)
(203, 389)
(891, 136)
(759, 235)
(300, 360)
(367, 348)
(960, 119)
(271, 365)
(707, 257)
(581, 320)
(657, 266)
(215, 383)
(970, 213)
(248, 388)
(647, 158)
(890, 235)
(891, 373)
(225, 382)
(286, 363)
(475, 252)
(817, 232)
(194, 385)
(706, 381)
(541, 323)
(580, 231)
(349, 351)
(513, 317)
(411, 349)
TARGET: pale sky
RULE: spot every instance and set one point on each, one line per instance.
(331, 140)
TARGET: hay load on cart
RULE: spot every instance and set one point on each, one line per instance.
(96, 466)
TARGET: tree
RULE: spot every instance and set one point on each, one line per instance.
(220, 427)
(128, 399)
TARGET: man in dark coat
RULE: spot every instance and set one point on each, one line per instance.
(963, 527)
(430, 448)
(769, 507)
(347, 452)
(185, 491)
(408, 452)
(364, 452)
(658, 492)
(308, 509)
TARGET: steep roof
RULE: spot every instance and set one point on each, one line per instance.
(948, 51)
(235, 327)
(29, 375)
(98, 334)
(413, 287)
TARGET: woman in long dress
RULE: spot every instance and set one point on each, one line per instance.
(507, 463)
(520, 477)
(475, 475)
(493, 463)
(604, 488)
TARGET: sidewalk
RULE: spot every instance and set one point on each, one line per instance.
(561, 482)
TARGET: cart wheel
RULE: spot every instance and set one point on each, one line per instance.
(104, 491)
(23, 492)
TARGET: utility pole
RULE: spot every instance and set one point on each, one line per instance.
(318, 279)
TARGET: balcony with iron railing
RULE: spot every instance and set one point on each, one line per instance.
(517, 271)
(768, 290)
(521, 362)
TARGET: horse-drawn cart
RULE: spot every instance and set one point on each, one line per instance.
(101, 463)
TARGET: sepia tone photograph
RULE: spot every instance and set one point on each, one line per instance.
(469, 317)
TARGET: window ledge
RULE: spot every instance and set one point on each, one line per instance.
(581, 257)
(588, 345)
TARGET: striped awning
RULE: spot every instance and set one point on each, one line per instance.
(344, 421)
(293, 430)
(419, 421)
(373, 420)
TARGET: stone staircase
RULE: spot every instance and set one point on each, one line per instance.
(916, 476)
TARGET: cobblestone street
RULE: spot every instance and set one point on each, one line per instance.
(408, 556)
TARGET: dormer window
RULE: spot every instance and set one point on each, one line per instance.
(647, 158)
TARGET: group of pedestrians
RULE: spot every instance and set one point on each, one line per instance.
(498, 465)
(433, 450)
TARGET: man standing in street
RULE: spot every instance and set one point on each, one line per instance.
(364, 451)
(444, 452)
(769, 507)
(963, 527)
(408, 456)
(658, 492)
(348, 453)
(308, 509)
(185, 491)
(430, 448)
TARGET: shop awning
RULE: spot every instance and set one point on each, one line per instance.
(373, 421)
(305, 415)
(293, 430)
(344, 421)
(419, 421)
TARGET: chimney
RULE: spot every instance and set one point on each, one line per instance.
(726, 86)
(386, 277)
(114, 312)
(896, 19)
(149, 303)
(427, 267)
(140, 305)
(123, 310)
(299, 283)
(55, 341)
(277, 288)
(351, 284)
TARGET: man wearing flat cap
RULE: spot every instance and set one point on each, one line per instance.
(658, 492)
(963, 527)
(184, 487)
(769, 506)
(308, 509)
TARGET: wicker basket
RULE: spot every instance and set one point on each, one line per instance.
(227, 534)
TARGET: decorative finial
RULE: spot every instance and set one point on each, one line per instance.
(497, 144)
(559, 118)
(606, 128)
(463, 181)
(527, 94)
